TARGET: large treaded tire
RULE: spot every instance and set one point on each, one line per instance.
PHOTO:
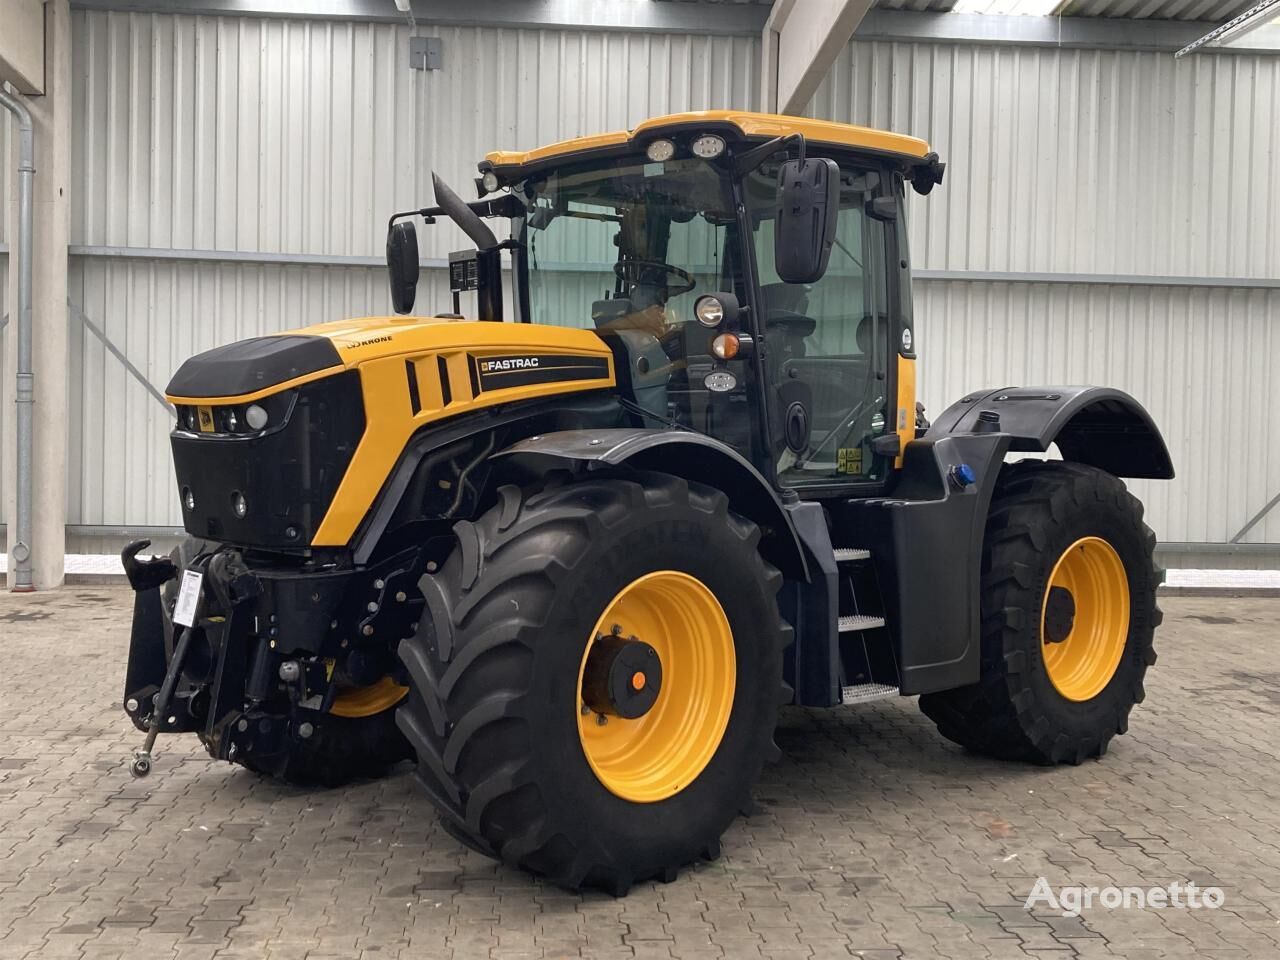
(494, 665)
(1014, 712)
(343, 749)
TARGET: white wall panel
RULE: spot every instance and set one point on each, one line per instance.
(1202, 361)
(300, 137)
(294, 136)
(1089, 161)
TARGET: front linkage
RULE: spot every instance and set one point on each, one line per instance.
(268, 649)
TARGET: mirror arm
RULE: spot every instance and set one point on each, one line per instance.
(504, 206)
(748, 161)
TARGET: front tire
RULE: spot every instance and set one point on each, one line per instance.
(357, 740)
(519, 751)
(1068, 616)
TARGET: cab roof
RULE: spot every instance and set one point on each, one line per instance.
(760, 126)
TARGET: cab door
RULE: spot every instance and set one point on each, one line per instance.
(829, 383)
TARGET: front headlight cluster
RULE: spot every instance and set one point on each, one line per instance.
(241, 419)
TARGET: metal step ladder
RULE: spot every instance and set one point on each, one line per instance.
(851, 623)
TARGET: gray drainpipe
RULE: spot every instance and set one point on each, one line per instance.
(21, 574)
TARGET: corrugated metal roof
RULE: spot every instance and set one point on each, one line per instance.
(918, 6)
(1214, 11)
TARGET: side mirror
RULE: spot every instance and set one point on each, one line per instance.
(402, 265)
(808, 204)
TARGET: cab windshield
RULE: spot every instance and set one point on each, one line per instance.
(627, 243)
(626, 246)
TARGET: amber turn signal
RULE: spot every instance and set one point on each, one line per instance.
(726, 346)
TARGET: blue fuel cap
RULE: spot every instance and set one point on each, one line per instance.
(962, 475)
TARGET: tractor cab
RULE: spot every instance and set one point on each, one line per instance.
(752, 286)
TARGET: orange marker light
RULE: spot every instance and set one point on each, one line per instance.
(725, 346)
(637, 680)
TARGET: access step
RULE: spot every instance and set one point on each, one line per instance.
(856, 622)
(866, 692)
(850, 554)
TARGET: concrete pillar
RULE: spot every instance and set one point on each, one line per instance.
(51, 114)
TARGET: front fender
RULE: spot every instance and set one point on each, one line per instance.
(1099, 426)
(684, 454)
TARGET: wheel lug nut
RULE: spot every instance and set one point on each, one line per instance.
(601, 719)
(585, 709)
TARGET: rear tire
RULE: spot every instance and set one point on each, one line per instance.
(497, 663)
(1041, 514)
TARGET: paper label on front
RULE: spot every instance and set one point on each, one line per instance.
(184, 614)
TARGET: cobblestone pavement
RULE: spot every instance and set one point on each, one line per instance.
(875, 838)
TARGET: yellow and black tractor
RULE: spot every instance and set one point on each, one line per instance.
(572, 556)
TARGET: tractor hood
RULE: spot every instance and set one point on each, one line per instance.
(250, 369)
(306, 426)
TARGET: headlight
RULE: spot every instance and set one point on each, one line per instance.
(708, 146)
(238, 504)
(489, 180)
(255, 417)
(660, 150)
(709, 311)
(188, 498)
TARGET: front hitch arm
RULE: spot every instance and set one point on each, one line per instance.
(146, 574)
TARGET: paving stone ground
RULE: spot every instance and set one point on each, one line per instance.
(875, 838)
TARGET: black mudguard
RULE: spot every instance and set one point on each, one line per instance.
(685, 454)
(1098, 426)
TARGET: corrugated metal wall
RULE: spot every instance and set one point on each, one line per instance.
(297, 137)
(1087, 161)
(1101, 162)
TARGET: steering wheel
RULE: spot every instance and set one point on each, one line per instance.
(624, 269)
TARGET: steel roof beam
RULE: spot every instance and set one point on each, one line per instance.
(1095, 33)
(727, 19)
(1234, 31)
(723, 19)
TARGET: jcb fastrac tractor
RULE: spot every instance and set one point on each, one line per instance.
(573, 556)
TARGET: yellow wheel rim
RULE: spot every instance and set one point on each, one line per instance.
(366, 701)
(657, 755)
(1082, 663)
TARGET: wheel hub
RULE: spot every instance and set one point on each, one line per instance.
(1059, 615)
(622, 676)
(1084, 620)
(656, 686)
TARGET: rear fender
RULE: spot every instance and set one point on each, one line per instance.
(1098, 426)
